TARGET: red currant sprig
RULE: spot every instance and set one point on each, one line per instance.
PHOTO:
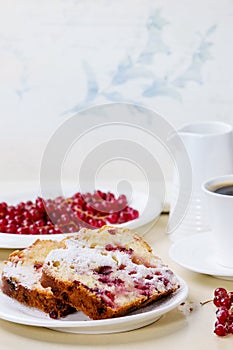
(223, 300)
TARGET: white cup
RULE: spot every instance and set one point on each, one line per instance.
(220, 217)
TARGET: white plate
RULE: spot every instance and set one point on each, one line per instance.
(195, 253)
(139, 202)
(13, 311)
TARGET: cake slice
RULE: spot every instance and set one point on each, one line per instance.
(21, 279)
(107, 272)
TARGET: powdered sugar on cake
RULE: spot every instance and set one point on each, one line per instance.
(27, 275)
(117, 273)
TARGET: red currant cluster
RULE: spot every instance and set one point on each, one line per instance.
(65, 215)
(223, 300)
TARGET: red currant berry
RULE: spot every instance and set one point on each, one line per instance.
(72, 229)
(18, 219)
(230, 328)
(42, 231)
(230, 317)
(40, 204)
(230, 296)
(3, 222)
(22, 230)
(11, 228)
(33, 230)
(65, 219)
(110, 197)
(220, 292)
(123, 217)
(113, 218)
(26, 214)
(222, 315)
(92, 222)
(20, 207)
(35, 214)
(3, 206)
(57, 229)
(217, 301)
(26, 222)
(226, 302)
(135, 214)
(220, 330)
(51, 231)
(100, 194)
(101, 223)
(40, 223)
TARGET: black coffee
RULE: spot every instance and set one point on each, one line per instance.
(226, 189)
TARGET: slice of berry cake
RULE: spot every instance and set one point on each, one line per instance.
(107, 272)
(21, 279)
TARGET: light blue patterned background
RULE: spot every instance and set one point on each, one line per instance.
(58, 57)
(140, 69)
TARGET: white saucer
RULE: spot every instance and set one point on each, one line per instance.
(195, 253)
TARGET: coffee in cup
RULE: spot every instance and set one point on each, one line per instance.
(219, 202)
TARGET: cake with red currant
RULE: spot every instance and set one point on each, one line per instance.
(21, 279)
(107, 272)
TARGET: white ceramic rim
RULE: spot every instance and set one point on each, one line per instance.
(226, 128)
